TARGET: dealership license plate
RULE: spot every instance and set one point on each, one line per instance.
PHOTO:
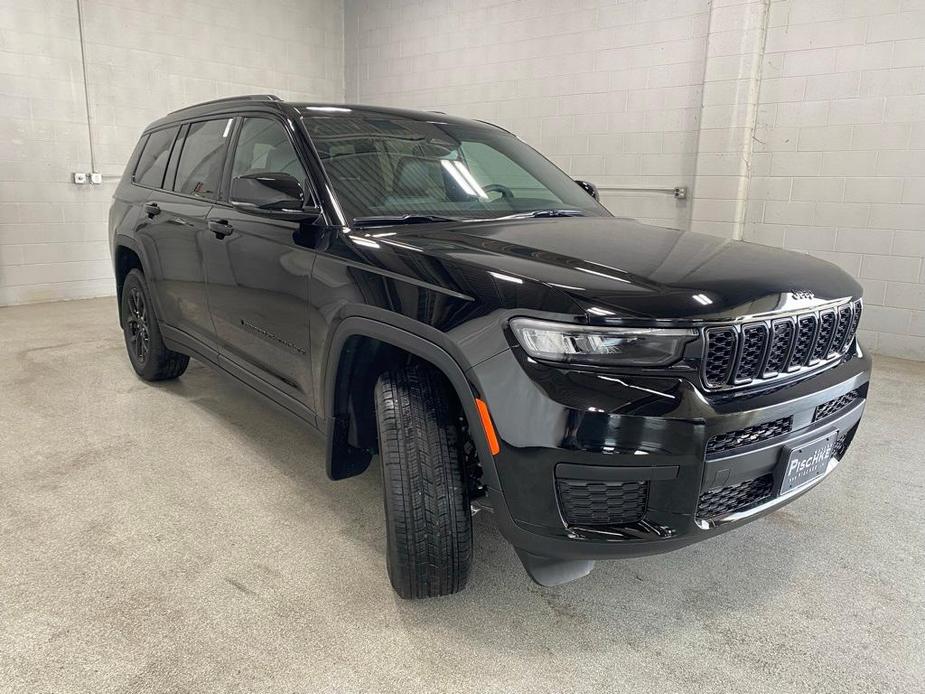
(808, 462)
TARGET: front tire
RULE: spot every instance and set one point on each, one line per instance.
(146, 349)
(427, 516)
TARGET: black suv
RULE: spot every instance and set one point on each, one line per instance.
(433, 290)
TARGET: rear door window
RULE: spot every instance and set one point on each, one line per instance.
(171, 174)
(153, 160)
(199, 171)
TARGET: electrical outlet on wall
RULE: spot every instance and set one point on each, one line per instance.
(80, 178)
(96, 178)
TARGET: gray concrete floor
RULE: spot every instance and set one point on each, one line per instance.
(183, 537)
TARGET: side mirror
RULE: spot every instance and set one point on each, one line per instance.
(274, 194)
(589, 188)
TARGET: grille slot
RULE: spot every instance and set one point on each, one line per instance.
(597, 503)
(735, 497)
(781, 339)
(855, 321)
(754, 343)
(721, 349)
(749, 435)
(841, 329)
(824, 336)
(827, 409)
(806, 329)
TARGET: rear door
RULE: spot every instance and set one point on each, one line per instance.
(175, 224)
(258, 270)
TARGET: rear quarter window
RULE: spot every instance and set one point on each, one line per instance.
(153, 160)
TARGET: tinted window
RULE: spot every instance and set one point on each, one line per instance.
(384, 165)
(153, 160)
(171, 175)
(264, 147)
(199, 171)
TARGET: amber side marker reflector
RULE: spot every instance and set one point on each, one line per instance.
(489, 428)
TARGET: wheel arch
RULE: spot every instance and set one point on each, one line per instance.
(350, 346)
(126, 256)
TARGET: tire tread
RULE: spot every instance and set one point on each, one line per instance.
(427, 515)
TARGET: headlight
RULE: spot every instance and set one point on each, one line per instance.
(598, 345)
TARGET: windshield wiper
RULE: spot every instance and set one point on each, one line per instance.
(388, 220)
(545, 213)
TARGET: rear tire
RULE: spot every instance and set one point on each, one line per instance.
(146, 349)
(427, 516)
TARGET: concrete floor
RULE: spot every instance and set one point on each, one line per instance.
(183, 537)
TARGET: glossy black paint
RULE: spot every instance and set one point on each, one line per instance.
(277, 303)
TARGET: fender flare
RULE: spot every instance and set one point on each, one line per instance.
(132, 245)
(125, 241)
(420, 346)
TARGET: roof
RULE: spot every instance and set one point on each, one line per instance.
(308, 109)
(271, 101)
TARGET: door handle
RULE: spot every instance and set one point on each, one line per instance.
(152, 209)
(220, 227)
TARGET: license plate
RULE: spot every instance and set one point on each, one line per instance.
(808, 462)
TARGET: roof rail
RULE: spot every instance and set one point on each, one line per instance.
(494, 125)
(243, 97)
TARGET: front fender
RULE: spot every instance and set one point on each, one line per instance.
(422, 341)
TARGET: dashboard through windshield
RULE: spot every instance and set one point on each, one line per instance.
(388, 166)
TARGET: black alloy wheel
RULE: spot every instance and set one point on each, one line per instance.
(150, 357)
(138, 335)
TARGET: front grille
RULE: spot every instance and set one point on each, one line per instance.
(827, 409)
(736, 355)
(734, 498)
(749, 435)
(593, 503)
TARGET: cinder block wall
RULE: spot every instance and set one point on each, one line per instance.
(611, 91)
(796, 123)
(839, 163)
(142, 60)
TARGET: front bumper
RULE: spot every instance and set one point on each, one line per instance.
(656, 434)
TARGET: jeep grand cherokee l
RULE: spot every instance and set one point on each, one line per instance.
(432, 290)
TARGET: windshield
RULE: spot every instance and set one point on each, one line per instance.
(388, 166)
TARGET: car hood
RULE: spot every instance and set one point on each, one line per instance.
(612, 267)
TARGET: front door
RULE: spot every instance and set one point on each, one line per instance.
(258, 270)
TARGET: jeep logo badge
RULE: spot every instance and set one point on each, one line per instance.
(803, 294)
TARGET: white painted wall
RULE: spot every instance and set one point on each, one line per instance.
(797, 123)
(143, 59)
